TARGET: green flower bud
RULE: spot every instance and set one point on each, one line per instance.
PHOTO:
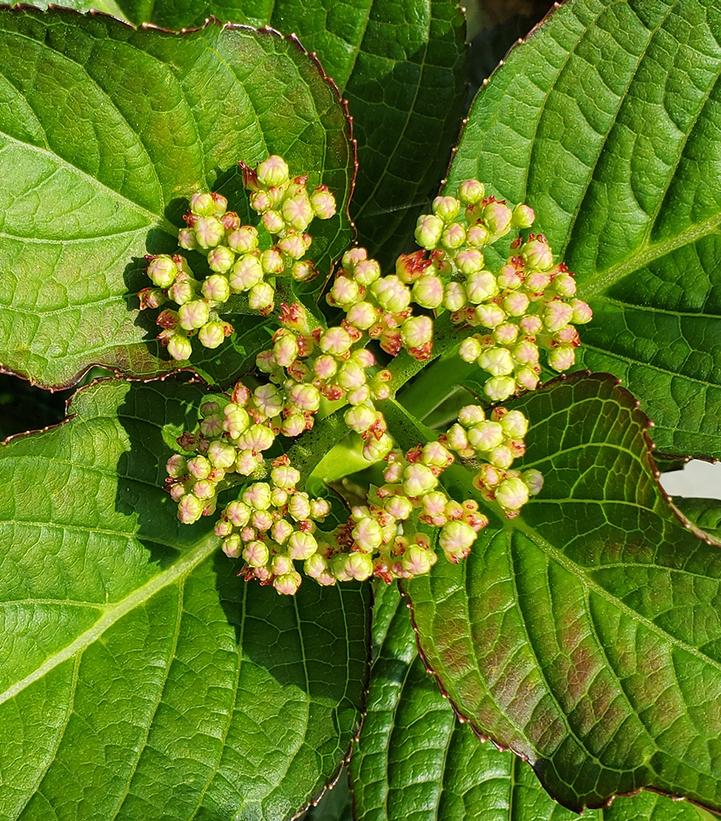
(247, 462)
(293, 245)
(478, 235)
(470, 349)
(235, 420)
(179, 347)
(303, 270)
(183, 289)
(457, 438)
(186, 239)
(162, 271)
(533, 480)
(220, 259)
(302, 545)
(417, 331)
(359, 566)
(582, 312)
(285, 476)
(293, 425)
(246, 273)
(202, 205)
(469, 261)
(209, 232)
(287, 584)
(345, 291)
(523, 216)
(232, 546)
(453, 236)
(499, 388)
(176, 466)
(497, 216)
(514, 424)
(471, 415)
(557, 315)
(506, 333)
(471, 192)
(496, 361)
(515, 303)
(366, 271)
(418, 479)
(392, 294)
(315, 566)
(491, 315)
(216, 288)
(417, 561)
(190, 509)
(564, 285)
(485, 436)
(193, 315)
(319, 509)
(243, 240)
(212, 334)
(297, 211)
(454, 297)
(257, 438)
(256, 554)
(428, 231)
(299, 506)
(273, 171)
(272, 261)
(428, 291)
(304, 396)
(501, 457)
(456, 539)
(562, 358)
(527, 378)
(323, 203)
(335, 341)
(362, 315)
(512, 494)
(537, 254)
(481, 286)
(285, 348)
(261, 297)
(221, 454)
(399, 507)
(435, 455)
(447, 208)
(351, 376)
(257, 496)
(360, 418)
(376, 449)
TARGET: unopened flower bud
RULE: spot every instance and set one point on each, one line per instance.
(417, 331)
(527, 378)
(428, 231)
(359, 566)
(216, 288)
(293, 425)
(209, 232)
(257, 496)
(360, 418)
(499, 388)
(512, 494)
(478, 235)
(221, 454)
(366, 271)
(376, 449)
(457, 438)
(315, 566)
(179, 347)
(557, 315)
(454, 297)
(323, 203)
(435, 455)
(506, 333)
(256, 554)
(582, 312)
(471, 192)
(562, 358)
(243, 240)
(537, 254)
(261, 297)
(490, 315)
(399, 507)
(362, 315)
(299, 506)
(285, 348)
(176, 466)
(297, 211)
(301, 545)
(515, 303)
(190, 509)
(319, 509)
(235, 421)
(428, 291)
(497, 216)
(501, 457)
(285, 476)
(496, 361)
(470, 349)
(469, 260)
(247, 462)
(471, 415)
(162, 271)
(202, 204)
(485, 436)
(514, 424)
(417, 480)
(523, 216)
(453, 236)
(220, 259)
(213, 334)
(345, 291)
(456, 539)
(271, 261)
(447, 208)
(335, 341)
(481, 286)
(273, 171)
(232, 546)
(304, 396)
(287, 584)
(257, 438)
(533, 480)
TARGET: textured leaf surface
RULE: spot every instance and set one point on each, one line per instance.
(401, 66)
(415, 761)
(705, 513)
(586, 634)
(140, 677)
(607, 121)
(104, 132)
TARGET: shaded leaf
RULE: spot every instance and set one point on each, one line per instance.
(414, 760)
(141, 678)
(105, 132)
(704, 513)
(585, 634)
(607, 121)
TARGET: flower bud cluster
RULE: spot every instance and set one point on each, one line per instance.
(529, 305)
(495, 442)
(271, 525)
(239, 260)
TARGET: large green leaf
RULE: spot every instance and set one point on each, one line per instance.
(394, 61)
(585, 634)
(704, 514)
(607, 121)
(140, 677)
(104, 132)
(414, 760)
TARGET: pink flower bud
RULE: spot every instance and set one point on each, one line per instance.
(487, 478)
(269, 400)
(209, 232)
(447, 208)
(235, 420)
(335, 341)
(247, 462)
(527, 378)
(399, 507)
(285, 476)
(360, 418)
(297, 211)
(271, 261)
(485, 436)
(428, 291)
(179, 347)
(562, 358)
(481, 286)
(260, 201)
(212, 334)
(537, 254)
(434, 504)
(256, 554)
(417, 480)
(261, 297)
(376, 449)
(299, 506)
(293, 425)
(582, 312)
(293, 245)
(506, 333)
(345, 292)
(530, 324)
(496, 361)
(491, 315)
(351, 376)
(416, 332)
(281, 531)
(564, 285)
(193, 314)
(221, 454)
(499, 388)
(556, 315)
(366, 271)
(471, 192)
(470, 415)
(359, 566)
(323, 203)
(434, 455)
(232, 546)
(186, 239)
(319, 509)
(273, 171)
(257, 495)
(470, 349)
(199, 467)
(325, 366)
(176, 466)
(392, 294)
(220, 259)
(202, 204)
(304, 396)
(243, 240)
(512, 494)
(362, 315)
(216, 288)
(246, 273)
(261, 520)
(457, 438)
(190, 509)
(418, 561)
(257, 438)
(315, 566)
(237, 513)
(301, 545)
(537, 282)
(469, 261)
(278, 497)
(454, 296)
(428, 231)
(533, 479)
(526, 353)
(287, 584)
(514, 424)
(162, 271)
(516, 303)
(456, 539)
(523, 216)
(453, 236)
(478, 235)
(285, 348)
(501, 457)
(497, 216)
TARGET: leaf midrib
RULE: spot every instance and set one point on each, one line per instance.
(113, 613)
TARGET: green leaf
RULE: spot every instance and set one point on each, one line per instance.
(414, 760)
(141, 678)
(104, 132)
(401, 64)
(704, 514)
(607, 121)
(585, 634)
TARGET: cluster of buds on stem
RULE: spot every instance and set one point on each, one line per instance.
(527, 306)
(507, 317)
(492, 443)
(241, 259)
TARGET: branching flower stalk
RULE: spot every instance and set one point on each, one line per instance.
(508, 322)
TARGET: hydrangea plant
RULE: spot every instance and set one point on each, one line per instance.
(365, 487)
